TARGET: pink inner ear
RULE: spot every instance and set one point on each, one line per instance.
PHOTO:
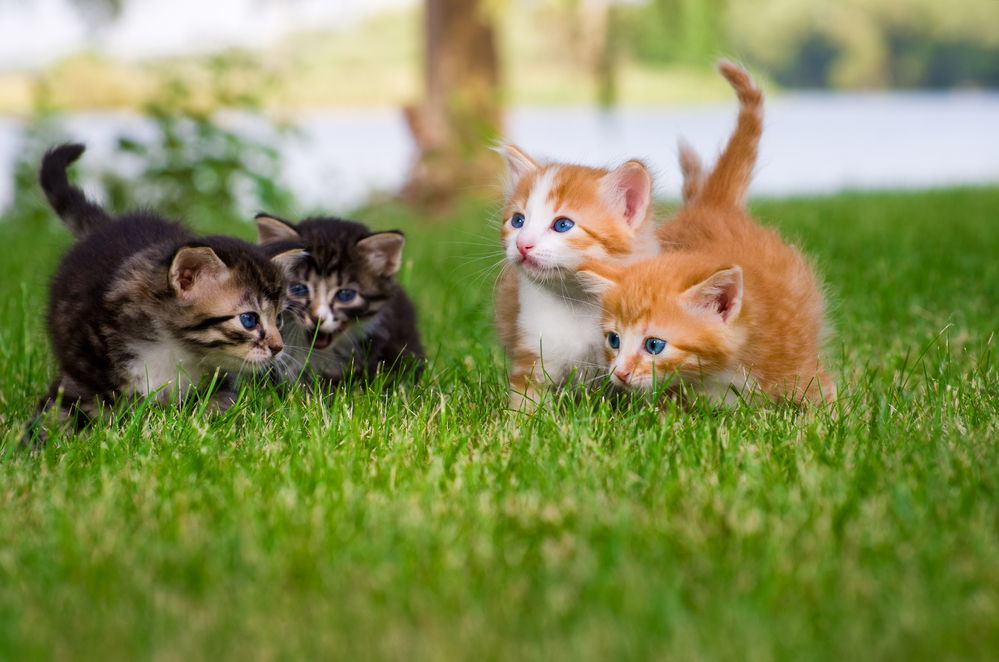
(725, 300)
(721, 295)
(185, 279)
(632, 200)
(634, 187)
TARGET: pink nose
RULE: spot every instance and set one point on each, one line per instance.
(524, 247)
(623, 376)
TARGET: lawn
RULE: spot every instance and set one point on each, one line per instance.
(431, 524)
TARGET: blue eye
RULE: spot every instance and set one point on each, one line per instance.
(517, 220)
(299, 290)
(563, 225)
(346, 295)
(613, 340)
(654, 345)
(249, 320)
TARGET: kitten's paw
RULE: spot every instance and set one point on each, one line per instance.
(526, 402)
(35, 437)
(221, 403)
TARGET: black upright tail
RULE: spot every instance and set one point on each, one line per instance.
(81, 215)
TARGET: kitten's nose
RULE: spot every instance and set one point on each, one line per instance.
(275, 345)
(622, 375)
(524, 247)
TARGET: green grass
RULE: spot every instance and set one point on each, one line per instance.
(430, 524)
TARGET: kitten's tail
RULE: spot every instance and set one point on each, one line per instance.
(69, 202)
(693, 172)
(727, 184)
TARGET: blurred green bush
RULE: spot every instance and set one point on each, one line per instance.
(192, 167)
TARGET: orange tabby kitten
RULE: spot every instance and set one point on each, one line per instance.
(728, 309)
(556, 217)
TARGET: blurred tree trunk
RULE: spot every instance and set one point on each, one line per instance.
(606, 64)
(460, 117)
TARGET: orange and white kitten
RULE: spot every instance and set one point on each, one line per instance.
(557, 217)
(728, 309)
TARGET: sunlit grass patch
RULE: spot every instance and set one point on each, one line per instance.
(426, 522)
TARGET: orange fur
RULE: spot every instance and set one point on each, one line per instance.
(547, 322)
(690, 167)
(726, 185)
(739, 310)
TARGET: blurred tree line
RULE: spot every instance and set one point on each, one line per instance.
(826, 43)
(799, 43)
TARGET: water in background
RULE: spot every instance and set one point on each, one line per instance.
(812, 143)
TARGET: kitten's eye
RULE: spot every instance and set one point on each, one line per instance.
(563, 225)
(249, 320)
(614, 340)
(299, 290)
(654, 345)
(517, 220)
(346, 295)
(280, 322)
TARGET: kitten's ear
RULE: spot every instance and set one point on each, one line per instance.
(270, 229)
(195, 271)
(597, 278)
(628, 190)
(383, 252)
(289, 260)
(517, 161)
(719, 296)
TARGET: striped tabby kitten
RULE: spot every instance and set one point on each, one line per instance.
(352, 319)
(140, 306)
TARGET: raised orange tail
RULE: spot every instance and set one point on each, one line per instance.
(727, 183)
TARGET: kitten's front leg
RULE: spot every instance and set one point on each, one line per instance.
(61, 407)
(527, 383)
(223, 396)
(221, 402)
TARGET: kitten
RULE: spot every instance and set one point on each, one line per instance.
(140, 306)
(557, 216)
(352, 319)
(728, 310)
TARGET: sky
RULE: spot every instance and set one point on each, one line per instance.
(34, 33)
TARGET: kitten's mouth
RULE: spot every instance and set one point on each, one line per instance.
(322, 340)
(531, 264)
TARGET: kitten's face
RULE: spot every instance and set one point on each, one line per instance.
(664, 319)
(559, 216)
(325, 305)
(345, 279)
(231, 316)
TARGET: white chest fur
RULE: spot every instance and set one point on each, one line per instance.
(163, 368)
(564, 329)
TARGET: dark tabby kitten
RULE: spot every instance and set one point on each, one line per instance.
(140, 306)
(352, 318)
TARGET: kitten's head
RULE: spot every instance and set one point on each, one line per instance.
(346, 277)
(558, 216)
(229, 297)
(676, 315)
